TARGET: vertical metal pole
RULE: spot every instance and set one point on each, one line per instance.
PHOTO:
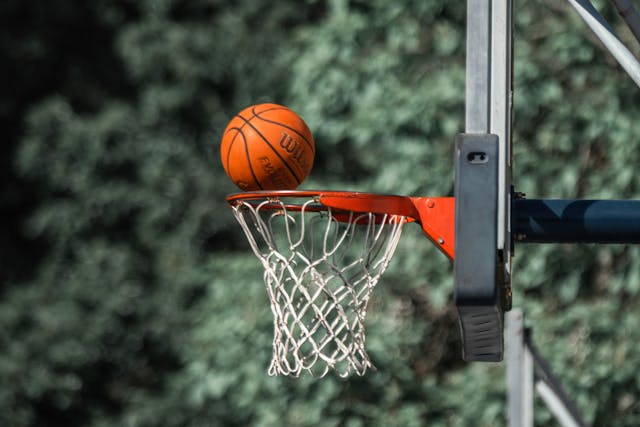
(519, 373)
(489, 98)
(501, 97)
(483, 183)
(474, 269)
(476, 191)
(527, 388)
(478, 66)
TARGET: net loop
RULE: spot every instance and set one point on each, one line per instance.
(320, 266)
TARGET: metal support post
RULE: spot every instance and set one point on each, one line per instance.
(519, 373)
(524, 364)
(608, 37)
(483, 182)
(630, 15)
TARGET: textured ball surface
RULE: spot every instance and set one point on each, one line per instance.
(267, 147)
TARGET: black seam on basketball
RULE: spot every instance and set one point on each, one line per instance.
(246, 150)
(234, 137)
(274, 150)
(253, 110)
(238, 130)
(280, 107)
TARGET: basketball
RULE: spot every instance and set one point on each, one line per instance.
(267, 147)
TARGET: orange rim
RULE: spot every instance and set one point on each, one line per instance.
(434, 214)
(348, 201)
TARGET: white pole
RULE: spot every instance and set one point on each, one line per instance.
(501, 97)
(519, 373)
(555, 405)
(608, 37)
(478, 67)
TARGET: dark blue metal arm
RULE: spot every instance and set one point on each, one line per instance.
(576, 221)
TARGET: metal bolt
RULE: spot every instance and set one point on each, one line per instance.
(440, 240)
(518, 195)
(431, 204)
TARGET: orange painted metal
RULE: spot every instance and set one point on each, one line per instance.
(368, 202)
(437, 221)
(434, 214)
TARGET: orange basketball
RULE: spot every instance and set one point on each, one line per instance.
(267, 147)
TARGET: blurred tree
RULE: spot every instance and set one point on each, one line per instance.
(127, 203)
(49, 47)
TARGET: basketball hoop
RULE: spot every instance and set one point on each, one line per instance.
(323, 253)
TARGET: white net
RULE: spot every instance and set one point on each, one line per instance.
(320, 268)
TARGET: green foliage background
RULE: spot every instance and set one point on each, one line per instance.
(128, 295)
